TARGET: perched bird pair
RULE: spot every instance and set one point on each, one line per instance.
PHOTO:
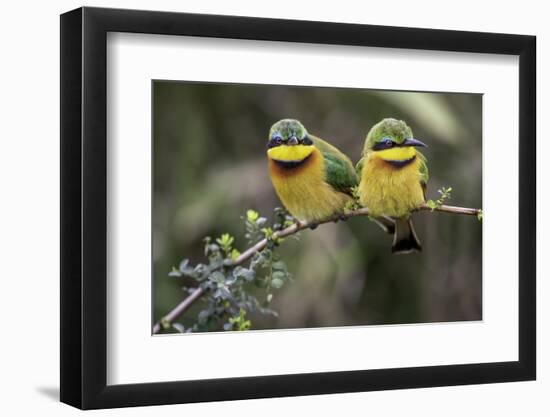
(314, 180)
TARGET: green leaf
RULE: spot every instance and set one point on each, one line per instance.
(183, 265)
(217, 276)
(431, 204)
(216, 262)
(277, 283)
(257, 259)
(279, 265)
(179, 327)
(174, 273)
(223, 292)
(239, 322)
(203, 316)
(235, 254)
(238, 271)
(225, 241)
(200, 272)
(279, 275)
(164, 323)
(249, 275)
(230, 279)
(252, 216)
(267, 231)
(244, 273)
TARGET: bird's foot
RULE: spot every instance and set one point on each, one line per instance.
(313, 226)
(340, 218)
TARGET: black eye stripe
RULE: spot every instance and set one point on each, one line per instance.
(384, 143)
(274, 141)
(277, 140)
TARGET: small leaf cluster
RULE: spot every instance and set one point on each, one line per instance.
(257, 228)
(479, 215)
(227, 286)
(238, 323)
(445, 194)
(353, 204)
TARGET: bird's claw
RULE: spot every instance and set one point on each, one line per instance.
(341, 217)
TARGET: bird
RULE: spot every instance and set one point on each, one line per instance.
(393, 177)
(311, 177)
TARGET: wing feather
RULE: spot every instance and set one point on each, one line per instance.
(339, 171)
(423, 171)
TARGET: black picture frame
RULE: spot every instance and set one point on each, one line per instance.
(84, 207)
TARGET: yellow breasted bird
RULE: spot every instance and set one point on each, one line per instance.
(393, 177)
(312, 178)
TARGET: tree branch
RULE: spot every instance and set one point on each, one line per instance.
(178, 310)
(290, 230)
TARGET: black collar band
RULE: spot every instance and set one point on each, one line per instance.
(290, 164)
(401, 164)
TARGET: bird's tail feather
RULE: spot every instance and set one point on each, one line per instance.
(404, 238)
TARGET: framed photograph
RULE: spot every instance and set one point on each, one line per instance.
(257, 208)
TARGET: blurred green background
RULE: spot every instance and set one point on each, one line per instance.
(210, 167)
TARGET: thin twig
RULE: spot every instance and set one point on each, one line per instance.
(454, 210)
(178, 310)
(290, 230)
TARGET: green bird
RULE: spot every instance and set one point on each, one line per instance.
(393, 178)
(312, 178)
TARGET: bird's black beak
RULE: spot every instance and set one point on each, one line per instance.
(293, 140)
(413, 142)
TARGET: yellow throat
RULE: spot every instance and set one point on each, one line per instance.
(290, 153)
(397, 154)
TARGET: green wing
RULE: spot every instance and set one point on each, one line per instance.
(339, 171)
(359, 166)
(423, 171)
